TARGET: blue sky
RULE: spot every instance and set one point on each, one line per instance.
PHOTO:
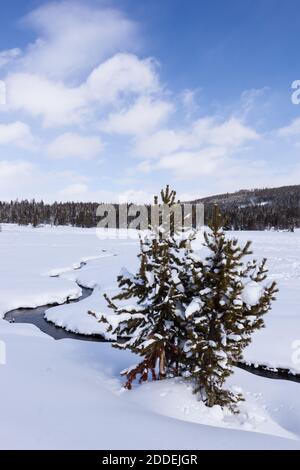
(110, 100)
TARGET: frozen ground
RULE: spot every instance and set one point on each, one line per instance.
(276, 345)
(29, 257)
(66, 394)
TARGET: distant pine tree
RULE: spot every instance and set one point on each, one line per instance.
(228, 306)
(152, 325)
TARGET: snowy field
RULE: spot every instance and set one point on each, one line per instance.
(67, 393)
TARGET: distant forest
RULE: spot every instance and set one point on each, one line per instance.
(257, 209)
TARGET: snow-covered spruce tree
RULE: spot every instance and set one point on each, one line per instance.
(229, 307)
(151, 325)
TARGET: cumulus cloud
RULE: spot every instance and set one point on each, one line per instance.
(136, 196)
(249, 99)
(189, 101)
(23, 179)
(17, 134)
(82, 75)
(81, 192)
(74, 37)
(190, 164)
(230, 133)
(75, 67)
(71, 145)
(8, 56)
(12, 177)
(142, 117)
(39, 97)
(292, 129)
(160, 143)
(10, 169)
(194, 151)
(73, 192)
(121, 76)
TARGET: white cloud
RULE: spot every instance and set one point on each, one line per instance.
(160, 143)
(189, 101)
(192, 164)
(17, 134)
(136, 196)
(74, 37)
(230, 133)
(204, 133)
(14, 169)
(81, 192)
(24, 179)
(75, 67)
(292, 129)
(71, 145)
(8, 56)
(249, 99)
(39, 97)
(142, 117)
(121, 75)
(60, 105)
(73, 192)
(194, 151)
(77, 77)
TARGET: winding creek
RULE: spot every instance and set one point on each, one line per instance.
(264, 371)
(36, 316)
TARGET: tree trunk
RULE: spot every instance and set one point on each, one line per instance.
(162, 364)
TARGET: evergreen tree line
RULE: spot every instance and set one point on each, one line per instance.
(79, 214)
(59, 213)
(258, 209)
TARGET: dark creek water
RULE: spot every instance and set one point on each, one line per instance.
(35, 316)
(264, 371)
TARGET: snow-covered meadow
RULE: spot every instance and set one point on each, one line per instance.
(67, 394)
